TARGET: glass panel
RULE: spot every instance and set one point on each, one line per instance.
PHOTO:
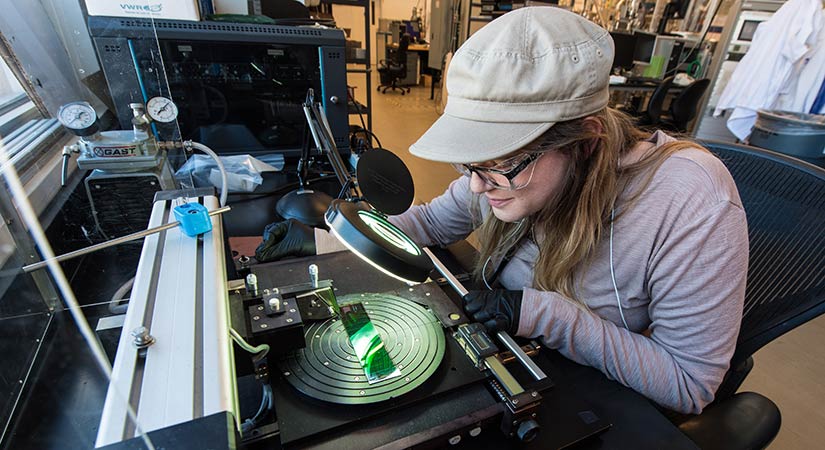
(238, 88)
(52, 385)
(24, 314)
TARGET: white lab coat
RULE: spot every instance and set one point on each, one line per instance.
(774, 64)
(805, 80)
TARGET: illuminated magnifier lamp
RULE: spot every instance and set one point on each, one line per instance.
(382, 186)
(375, 240)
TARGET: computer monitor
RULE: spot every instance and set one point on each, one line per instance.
(412, 28)
(643, 50)
(625, 47)
(677, 56)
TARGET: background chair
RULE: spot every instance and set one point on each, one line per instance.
(653, 114)
(684, 108)
(393, 70)
(784, 199)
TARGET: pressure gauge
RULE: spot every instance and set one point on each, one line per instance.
(79, 118)
(161, 109)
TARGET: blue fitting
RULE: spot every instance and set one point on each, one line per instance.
(194, 218)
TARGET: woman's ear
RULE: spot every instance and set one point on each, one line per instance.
(593, 126)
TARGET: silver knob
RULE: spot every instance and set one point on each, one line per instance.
(252, 284)
(334, 99)
(313, 275)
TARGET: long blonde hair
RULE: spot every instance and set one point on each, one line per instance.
(574, 222)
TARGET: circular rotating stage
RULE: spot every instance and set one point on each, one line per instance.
(328, 369)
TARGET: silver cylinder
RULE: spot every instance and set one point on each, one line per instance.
(313, 275)
(252, 284)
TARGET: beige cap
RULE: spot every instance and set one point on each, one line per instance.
(515, 78)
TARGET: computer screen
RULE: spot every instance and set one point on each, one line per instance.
(625, 48)
(645, 43)
(748, 30)
(412, 28)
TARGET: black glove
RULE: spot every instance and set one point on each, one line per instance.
(497, 310)
(287, 238)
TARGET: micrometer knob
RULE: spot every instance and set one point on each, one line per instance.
(527, 430)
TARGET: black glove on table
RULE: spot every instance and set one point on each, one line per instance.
(497, 310)
(287, 238)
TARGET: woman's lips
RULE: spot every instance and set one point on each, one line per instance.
(498, 203)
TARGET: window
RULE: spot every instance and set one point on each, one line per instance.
(25, 134)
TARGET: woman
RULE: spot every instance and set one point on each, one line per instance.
(626, 252)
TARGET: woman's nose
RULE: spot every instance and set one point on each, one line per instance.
(477, 185)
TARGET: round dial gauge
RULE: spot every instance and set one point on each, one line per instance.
(79, 117)
(161, 109)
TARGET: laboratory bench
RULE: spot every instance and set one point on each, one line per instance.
(61, 404)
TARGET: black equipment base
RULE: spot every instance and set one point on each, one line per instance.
(328, 368)
(455, 399)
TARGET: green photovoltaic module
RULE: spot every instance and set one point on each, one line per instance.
(367, 343)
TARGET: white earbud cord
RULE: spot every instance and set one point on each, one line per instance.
(484, 268)
(612, 274)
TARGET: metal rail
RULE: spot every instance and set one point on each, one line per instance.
(505, 338)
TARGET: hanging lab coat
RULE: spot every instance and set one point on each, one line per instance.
(773, 63)
(806, 78)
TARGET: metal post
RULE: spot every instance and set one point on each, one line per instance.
(116, 241)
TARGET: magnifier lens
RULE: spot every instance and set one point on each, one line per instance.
(388, 232)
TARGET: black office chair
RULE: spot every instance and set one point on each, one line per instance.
(784, 199)
(684, 108)
(653, 114)
(393, 70)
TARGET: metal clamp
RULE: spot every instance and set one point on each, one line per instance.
(142, 340)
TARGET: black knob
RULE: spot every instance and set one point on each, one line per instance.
(527, 430)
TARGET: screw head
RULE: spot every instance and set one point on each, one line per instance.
(263, 325)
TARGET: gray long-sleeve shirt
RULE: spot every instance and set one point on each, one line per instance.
(680, 256)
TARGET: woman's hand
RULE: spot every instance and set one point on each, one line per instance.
(287, 238)
(497, 310)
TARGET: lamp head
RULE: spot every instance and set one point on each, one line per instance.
(377, 241)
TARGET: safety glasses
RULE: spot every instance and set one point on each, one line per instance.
(502, 175)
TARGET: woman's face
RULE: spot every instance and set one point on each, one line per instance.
(547, 181)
